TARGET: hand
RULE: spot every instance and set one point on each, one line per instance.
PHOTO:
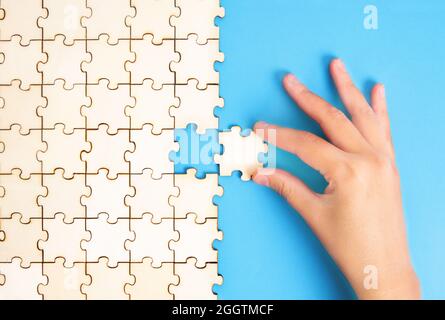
(359, 217)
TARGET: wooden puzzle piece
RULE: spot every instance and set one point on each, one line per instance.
(63, 195)
(107, 196)
(152, 196)
(196, 240)
(64, 282)
(152, 283)
(240, 153)
(107, 240)
(108, 151)
(152, 151)
(152, 106)
(19, 63)
(20, 283)
(196, 196)
(152, 240)
(108, 106)
(64, 240)
(195, 283)
(108, 18)
(63, 18)
(104, 55)
(64, 106)
(19, 196)
(64, 62)
(63, 151)
(20, 107)
(101, 288)
(19, 151)
(197, 61)
(21, 20)
(197, 106)
(153, 61)
(202, 24)
(14, 245)
(153, 17)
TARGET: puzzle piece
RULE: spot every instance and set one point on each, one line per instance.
(151, 283)
(20, 283)
(108, 196)
(64, 19)
(152, 106)
(63, 282)
(20, 107)
(64, 62)
(196, 240)
(151, 196)
(153, 61)
(13, 244)
(108, 151)
(202, 24)
(21, 20)
(19, 151)
(63, 106)
(101, 288)
(152, 151)
(197, 62)
(196, 196)
(63, 196)
(108, 107)
(108, 18)
(63, 151)
(20, 196)
(197, 106)
(240, 153)
(104, 55)
(152, 240)
(196, 282)
(153, 17)
(64, 240)
(107, 240)
(18, 63)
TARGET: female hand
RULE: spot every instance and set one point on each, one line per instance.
(359, 217)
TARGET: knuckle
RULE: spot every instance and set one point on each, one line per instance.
(284, 190)
(335, 114)
(384, 164)
(308, 138)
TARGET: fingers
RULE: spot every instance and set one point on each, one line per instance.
(311, 149)
(378, 102)
(299, 196)
(333, 122)
(363, 117)
(352, 98)
(379, 105)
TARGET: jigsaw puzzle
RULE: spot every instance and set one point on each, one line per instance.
(91, 93)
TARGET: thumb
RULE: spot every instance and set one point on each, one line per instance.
(295, 191)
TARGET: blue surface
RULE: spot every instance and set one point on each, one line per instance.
(268, 252)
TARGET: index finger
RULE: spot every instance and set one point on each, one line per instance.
(311, 149)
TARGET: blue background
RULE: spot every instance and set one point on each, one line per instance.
(268, 252)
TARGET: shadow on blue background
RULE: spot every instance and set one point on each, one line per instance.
(268, 252)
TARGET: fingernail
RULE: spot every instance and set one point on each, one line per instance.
(382, 91)
(340, 65)
(292, 80)
(261, 180)
(261, 125)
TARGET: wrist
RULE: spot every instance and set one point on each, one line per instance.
(401, 286)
